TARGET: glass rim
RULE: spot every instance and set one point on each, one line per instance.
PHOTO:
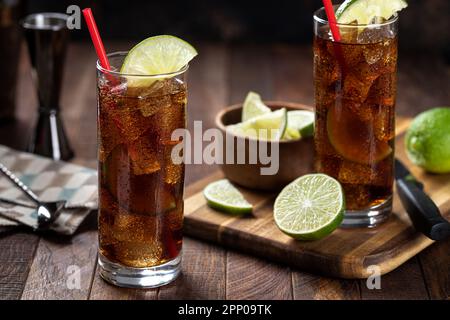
(121, 74)
(25, 22)
(316, 18)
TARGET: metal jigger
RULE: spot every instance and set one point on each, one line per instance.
(47, 36)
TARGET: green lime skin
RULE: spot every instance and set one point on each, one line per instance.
(428, 140)
(237, 211)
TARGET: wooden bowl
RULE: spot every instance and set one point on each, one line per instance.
(295, 157)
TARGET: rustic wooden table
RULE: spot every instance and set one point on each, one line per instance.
(37, 267)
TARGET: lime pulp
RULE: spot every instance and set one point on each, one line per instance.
(366, 11)
(310, 207)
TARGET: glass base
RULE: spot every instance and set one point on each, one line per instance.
(129, 277)
(368, 218)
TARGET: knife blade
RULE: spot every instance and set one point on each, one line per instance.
(422, 211)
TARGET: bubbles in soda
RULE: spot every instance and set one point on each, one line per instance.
(141, 190)
(355, 87)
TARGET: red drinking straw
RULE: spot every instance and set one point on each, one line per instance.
(95, 36)
(332, 20)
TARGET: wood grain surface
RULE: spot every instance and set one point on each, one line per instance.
(35, 267)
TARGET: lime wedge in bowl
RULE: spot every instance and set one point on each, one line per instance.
(269, 126)
(365, 11)
(300, 124)
(223, 196)
(310, 207)
(253, 106)
(159, 55)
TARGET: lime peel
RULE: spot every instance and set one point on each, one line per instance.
(223, 196)
(300, 124)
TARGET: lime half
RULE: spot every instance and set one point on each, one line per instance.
(365, 11)
(269, 126)
(253, 106)
(310, 207)
(223, 196)
(300, 124)
(157, 55)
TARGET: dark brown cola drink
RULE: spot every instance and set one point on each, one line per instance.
(355, 89)
(140, 186)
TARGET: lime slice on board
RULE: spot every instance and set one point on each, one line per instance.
(223, 196)
(310, 207)
(300, 124)
(269, 126)
(157, 55)
(365, 11)
(253, 106)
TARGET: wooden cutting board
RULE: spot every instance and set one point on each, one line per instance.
(346, 253)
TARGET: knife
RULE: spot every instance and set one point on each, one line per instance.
(422, 211)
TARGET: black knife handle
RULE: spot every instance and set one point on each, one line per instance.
(423, 212)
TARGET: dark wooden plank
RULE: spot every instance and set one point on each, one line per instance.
(293, 74)
(435, 262)
(312, 287)
(423, 83)
(79, 103)
(203, 273)
(248, 277)
(62, 269)
(16, 255)
(406, 282)
(208, 94)
(250, 70)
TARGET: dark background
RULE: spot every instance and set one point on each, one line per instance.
(424, 25)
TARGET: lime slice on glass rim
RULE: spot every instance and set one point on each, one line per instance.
(269, 126)
(159, 55)
(365, 11)
(223, 196)
(310, 207)
(300, 124)
(253, 106)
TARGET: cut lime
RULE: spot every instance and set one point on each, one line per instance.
(362, 147)
(300, 124)
(253, 106)
(159, 55)
(269, 126)
(310, 207)
(291, 133)
(365, 11)
(223, 196)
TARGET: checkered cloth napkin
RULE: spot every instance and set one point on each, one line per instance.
(51, 181)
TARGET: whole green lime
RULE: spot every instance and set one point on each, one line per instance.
(428, 140)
